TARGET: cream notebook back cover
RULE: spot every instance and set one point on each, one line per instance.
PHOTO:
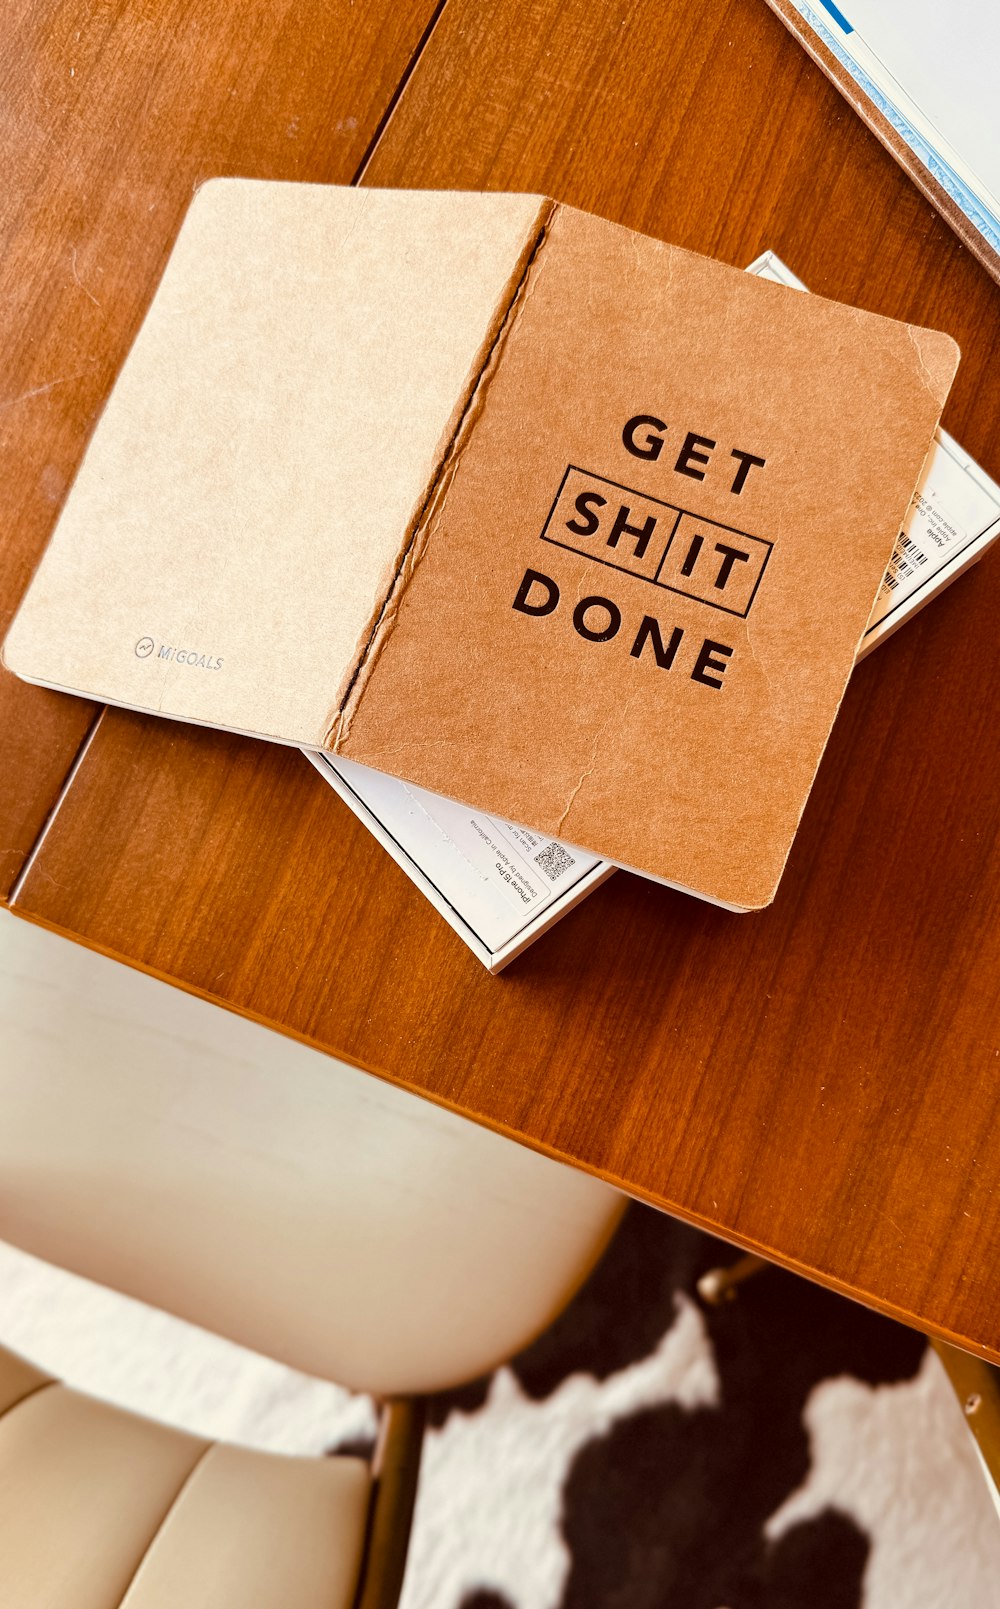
(254, 478)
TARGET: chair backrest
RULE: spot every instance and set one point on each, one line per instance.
(250, 1184)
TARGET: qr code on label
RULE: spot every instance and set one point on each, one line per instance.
(554, 860)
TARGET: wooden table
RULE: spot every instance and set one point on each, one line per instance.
(820, 1082)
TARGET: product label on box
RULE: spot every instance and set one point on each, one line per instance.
(524, 869)
(950, 511)
(497, 877)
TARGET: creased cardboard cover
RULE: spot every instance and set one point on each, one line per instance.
(267, 448)
(793, 432)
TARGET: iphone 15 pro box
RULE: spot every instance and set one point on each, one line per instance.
(499, 886)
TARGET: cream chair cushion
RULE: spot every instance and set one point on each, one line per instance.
(100, 1509)
(225, 1173)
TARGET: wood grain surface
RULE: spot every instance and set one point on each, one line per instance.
(111, 115)
(890, 137)
(819, 1082)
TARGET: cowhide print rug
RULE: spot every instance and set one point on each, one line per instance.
(788, 1450)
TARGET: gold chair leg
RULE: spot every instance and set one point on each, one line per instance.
(977, 1386)
(719, 1284)
(397, 1466)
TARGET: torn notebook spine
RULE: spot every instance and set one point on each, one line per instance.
(467, 414)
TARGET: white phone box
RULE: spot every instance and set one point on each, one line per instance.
(500, 886)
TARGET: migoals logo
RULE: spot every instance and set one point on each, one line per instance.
(149, 648)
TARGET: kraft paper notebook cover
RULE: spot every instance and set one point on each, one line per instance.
(513, 503)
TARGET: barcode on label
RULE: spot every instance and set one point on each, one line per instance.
(554, 860)
(913, 551)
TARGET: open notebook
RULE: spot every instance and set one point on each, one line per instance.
(500, 499)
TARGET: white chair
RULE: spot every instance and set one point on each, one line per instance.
(211, 1168)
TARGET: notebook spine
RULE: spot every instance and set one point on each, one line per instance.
(469, 410)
